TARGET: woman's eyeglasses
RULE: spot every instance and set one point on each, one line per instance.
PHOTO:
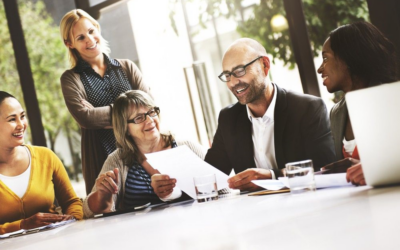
(142, 117)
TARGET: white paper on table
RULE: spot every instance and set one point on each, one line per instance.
(321, 181)
(269, 184)
(182, 164)
(325, 180)
(331, 180)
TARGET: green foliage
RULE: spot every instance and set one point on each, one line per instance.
(48, 60)
(321, 18)
(258, 27)
(172, 5)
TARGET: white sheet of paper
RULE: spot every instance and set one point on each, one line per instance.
(325, 180)
(331, 180)
(321, 181)
(269, 184)
(181, 163)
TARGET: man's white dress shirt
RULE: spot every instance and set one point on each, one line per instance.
(263, 137)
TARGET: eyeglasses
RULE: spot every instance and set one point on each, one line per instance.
(142, 117)
(238, 72)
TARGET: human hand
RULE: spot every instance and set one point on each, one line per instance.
(107, 183)
(243, 179)
(340, 166)
(87, 104)
(42, 219)
(162, 184)
(355, 175)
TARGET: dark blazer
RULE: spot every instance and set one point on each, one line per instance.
(302, 131)
(338, 118)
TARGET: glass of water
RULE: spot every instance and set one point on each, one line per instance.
(206, 188)
(300, 176)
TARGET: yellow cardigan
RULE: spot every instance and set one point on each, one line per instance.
(48, 180)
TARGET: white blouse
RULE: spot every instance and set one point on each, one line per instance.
(18, 184)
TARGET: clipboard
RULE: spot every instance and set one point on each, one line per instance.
(266, 192)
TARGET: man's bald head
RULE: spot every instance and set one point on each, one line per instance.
(244, 48)
(245, 68)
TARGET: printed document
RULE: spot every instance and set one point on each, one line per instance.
(182, 164)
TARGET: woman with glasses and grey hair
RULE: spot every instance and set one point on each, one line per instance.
(126, 179)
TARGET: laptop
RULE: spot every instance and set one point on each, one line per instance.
(375, 117)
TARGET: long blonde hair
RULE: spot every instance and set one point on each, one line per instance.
(124, 106)
(66, 25)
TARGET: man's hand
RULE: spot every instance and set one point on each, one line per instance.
(243, 179)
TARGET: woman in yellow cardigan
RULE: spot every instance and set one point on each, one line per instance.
(31, 177)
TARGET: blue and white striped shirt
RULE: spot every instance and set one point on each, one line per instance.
(138, 189)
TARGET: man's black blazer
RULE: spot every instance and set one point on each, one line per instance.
(302, 131)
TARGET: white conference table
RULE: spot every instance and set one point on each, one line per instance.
(336, 218)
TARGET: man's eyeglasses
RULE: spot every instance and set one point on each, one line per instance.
(238, 72)
(142, 117)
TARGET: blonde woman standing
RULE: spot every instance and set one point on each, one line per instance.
(90, 87)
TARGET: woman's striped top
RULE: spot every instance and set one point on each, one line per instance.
(138, 189)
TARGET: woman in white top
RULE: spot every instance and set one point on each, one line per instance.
(31, 177)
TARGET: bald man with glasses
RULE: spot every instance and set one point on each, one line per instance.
(268, 126)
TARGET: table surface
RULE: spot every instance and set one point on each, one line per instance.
(335, 218)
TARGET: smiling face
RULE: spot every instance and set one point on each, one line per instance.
(334, 71)
(147, 131)
(86, 39)
(13, 123)
(250, 87)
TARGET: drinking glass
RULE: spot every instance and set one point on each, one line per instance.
(300, 176)
(206, 188)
